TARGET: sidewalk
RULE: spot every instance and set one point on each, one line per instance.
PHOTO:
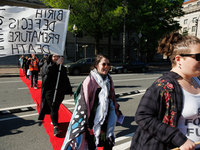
(9, 72)
(13, 71)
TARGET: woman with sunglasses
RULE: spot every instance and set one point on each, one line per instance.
(99, 110)
(49, 75)
(168, 115)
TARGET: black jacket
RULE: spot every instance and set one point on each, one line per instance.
(49, 79)
(158, 114)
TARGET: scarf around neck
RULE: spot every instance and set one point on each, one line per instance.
(102, 108)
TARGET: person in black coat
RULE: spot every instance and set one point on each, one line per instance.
(49, 74)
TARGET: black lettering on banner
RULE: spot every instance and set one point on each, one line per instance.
(1, 20)
(12, 37)
(26, 24)
(34, 36)
(31, 48)
(41, 47)
(13, 21)
(38, 21)
(30, 24)
(49, 25)
(190, 131)
(15, 49)
(1, 38)
(198, 111)
(197, 132)
(60, 15)
(196, 121)
(1, 48)
(57, 36)
(188, 121)
(50, 14)
(38, 12)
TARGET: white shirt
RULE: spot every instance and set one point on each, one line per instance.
(189, 122)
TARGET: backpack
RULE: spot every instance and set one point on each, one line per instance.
(77, 92)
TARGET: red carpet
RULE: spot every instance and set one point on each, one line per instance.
(64, 115)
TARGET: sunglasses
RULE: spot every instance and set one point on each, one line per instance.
(104, 64)
(196, 56)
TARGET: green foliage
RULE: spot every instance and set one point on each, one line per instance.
(153, 18)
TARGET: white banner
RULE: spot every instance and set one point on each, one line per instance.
(26, 30)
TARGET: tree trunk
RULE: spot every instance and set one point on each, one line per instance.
(109, 43)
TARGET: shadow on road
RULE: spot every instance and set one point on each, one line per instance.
(127, 124)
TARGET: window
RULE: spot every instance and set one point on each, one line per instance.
(185, 21)
(184, 29)
(198, 3)
(194, 19)
(194, 28)
(190, 5)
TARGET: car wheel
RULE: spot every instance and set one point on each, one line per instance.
(143, 70)
(76, 71)
(125, 70)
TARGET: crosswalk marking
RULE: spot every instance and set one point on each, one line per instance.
(122, 146)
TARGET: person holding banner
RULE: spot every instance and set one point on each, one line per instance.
(49, 75)
(168, 115)
(34, 69)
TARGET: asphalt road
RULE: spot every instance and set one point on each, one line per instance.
(22, 130)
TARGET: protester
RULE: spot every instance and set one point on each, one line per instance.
(21, 61)
(49, 74)
(168, 113)
(34, 68)
(96, 111)
(43, 60)
(26, 66)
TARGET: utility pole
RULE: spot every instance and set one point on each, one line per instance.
(124, 4)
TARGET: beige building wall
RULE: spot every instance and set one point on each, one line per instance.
(187, 22)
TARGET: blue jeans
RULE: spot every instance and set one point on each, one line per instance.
(35, 74)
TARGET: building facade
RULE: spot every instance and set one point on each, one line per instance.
(190, 22)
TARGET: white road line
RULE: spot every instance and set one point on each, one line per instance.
(122, 146)
(10, 81)
(24, 88)
(124, 137)
(18, 117)
(70, 103)
(16, 107)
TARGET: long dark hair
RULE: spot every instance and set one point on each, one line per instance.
(98, 59)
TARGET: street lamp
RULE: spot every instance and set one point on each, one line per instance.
(139, 36)
(75, 29)
(84, 46)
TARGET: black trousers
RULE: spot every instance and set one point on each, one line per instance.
(54, 109)
(91, 142)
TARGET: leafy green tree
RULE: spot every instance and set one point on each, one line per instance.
(94, 17)
(153, 18)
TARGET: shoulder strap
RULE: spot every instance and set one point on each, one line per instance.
(77, 92)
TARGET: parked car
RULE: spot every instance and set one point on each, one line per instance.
(130, 66)
(80, 66)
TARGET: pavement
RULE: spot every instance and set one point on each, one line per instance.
(13, 71)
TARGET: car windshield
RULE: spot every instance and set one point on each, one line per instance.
(81, 60)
